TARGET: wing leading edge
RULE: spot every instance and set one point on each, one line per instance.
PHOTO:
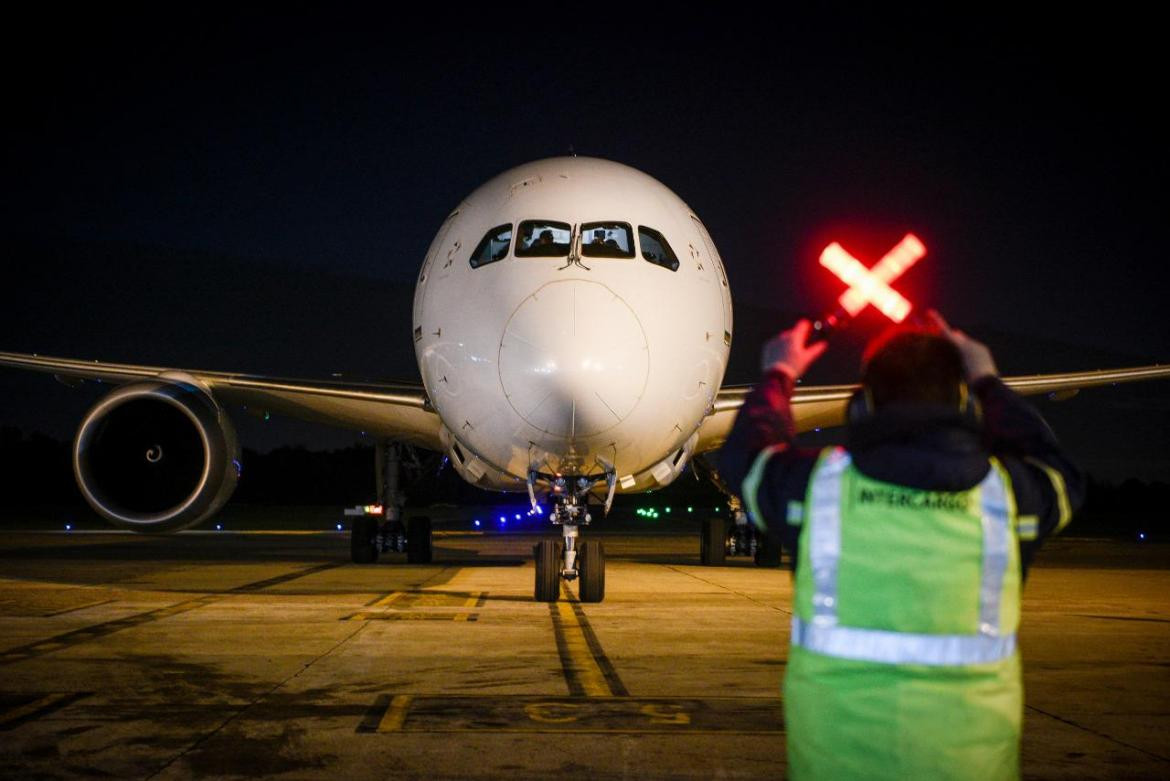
(823, 406)
(401, 410)
(397, 410)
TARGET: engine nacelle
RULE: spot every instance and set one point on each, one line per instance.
(156, 456)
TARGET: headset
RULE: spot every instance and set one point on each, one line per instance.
(861, 406)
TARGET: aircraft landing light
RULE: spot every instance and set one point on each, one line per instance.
(871, 286)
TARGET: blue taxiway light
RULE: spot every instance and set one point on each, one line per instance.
(339, 527)
(68, 527)
(477, 523)
(517, 516)
(1141, 535)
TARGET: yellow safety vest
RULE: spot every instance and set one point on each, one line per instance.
(903, 660)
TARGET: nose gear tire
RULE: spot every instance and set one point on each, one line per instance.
(591, 563)
(548, 570)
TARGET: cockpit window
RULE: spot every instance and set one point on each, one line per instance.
(493, 246)
(543, 239)
(655, 249)
(607, 240)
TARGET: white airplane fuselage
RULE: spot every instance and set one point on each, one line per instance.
(587, 358)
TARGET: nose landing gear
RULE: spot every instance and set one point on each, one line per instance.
(570, 559)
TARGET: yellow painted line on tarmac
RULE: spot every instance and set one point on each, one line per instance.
(396, 606)
(618, 715)
(582, 672)
(470, 602)
(383, 602)
(390, 598)
(395, 715)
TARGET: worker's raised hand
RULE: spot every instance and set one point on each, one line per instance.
(977, 360)
(789, 353)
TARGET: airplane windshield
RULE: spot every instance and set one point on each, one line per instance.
(607, 240)
(493, 246)
(655, 249)
(543, 239)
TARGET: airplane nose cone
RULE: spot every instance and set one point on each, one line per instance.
(574, 359)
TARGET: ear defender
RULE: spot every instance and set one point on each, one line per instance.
(860, 405)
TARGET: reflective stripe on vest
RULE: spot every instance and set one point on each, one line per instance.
(824, 635)
(876, 645)
(825, 531)
(751, 485)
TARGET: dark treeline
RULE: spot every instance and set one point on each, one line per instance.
(36, 470)
(1130, 508)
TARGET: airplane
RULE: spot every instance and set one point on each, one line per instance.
(572, 322)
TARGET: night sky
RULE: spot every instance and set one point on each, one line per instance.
(1029, 154)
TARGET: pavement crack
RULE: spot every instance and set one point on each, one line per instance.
(1099, 734)
(263, 696)
(748, 597)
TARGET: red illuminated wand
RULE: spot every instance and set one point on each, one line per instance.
(867, 286)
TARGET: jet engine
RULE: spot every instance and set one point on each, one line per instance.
(156, 456)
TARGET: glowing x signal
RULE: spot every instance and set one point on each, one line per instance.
(871, 286)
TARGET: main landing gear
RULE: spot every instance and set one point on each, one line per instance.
(731, 536)
(570, 559)
(370, 536)
(723, 537)
(379, 528)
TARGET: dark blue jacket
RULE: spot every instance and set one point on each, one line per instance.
(917, 446)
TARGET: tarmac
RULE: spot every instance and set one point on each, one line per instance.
(268, 654)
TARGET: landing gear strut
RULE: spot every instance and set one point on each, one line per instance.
(584, 561)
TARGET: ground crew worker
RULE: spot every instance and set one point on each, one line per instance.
(910, 545)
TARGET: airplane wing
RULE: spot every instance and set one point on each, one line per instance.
(397, 410)
(824, 405)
